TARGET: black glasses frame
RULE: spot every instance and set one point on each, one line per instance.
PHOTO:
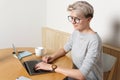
(75, 19)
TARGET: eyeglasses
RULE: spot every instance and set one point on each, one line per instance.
(75, 19)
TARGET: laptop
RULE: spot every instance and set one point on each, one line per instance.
(20, 54)
(30, 67)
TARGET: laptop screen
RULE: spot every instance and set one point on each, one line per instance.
(15, 52)
(20, 54)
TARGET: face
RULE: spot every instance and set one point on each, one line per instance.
(79, 21)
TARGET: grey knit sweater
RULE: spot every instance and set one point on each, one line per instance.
(86, 53)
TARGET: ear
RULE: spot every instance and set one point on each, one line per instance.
(89, 19)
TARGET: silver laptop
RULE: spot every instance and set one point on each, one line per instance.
(20, 54)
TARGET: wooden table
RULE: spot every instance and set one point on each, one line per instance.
(11, 67)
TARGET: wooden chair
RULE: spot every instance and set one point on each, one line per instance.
(109, 63)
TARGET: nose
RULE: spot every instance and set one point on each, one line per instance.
(73, 21)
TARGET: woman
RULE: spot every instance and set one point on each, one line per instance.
(85, 46)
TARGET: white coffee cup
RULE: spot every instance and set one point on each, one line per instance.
(39, 51)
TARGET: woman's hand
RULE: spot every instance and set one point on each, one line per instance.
(43, 66)
(47, 59)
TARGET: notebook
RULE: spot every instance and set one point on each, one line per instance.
(30, 67)
(20, 54)
(23, 78)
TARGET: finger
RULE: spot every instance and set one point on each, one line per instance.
(45, 59)
(37, 65)
(37, 68)
(49, 60)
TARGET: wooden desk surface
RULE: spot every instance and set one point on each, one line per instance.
(11, 67)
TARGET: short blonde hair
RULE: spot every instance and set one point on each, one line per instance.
(82, 6)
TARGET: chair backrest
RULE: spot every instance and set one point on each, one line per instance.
(54, 39)
(109, 63)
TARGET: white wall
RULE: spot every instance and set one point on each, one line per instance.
(106, 19)
(21, 21)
